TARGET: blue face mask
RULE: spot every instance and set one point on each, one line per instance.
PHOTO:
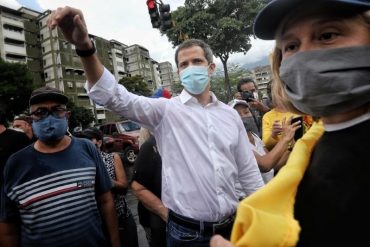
(194, 79)
(50, 128)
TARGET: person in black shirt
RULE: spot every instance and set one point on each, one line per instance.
(322, 68)
(146, 185)
(10, 142)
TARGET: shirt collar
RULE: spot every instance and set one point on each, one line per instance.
(347, 124)
(185, 97)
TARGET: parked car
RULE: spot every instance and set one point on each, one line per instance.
(125, 135)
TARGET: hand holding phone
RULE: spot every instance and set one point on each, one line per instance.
(299, 132)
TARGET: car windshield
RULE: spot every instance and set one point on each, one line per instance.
(128, 126)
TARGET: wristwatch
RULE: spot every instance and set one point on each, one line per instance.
(86, 53)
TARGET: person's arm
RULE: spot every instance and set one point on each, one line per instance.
(9, 234)
(249, 174)
(272, 158)
(256, 104)
(109, 215)
(270, 132)
(149, 200)
(219, 241)
(72, 24)
(120, 184)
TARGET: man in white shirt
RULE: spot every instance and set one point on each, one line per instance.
(201, 140)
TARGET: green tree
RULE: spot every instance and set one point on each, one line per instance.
(235, 73)
(80, 116)
(15, 88)
(226, 25)
(136, 85)
(176, 88)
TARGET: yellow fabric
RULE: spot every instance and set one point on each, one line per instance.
(268, 120)
(266, 218)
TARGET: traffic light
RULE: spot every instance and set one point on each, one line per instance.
(153, 13)
(166, 22)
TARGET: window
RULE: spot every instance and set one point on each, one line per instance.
(113, 129)
(128, 126)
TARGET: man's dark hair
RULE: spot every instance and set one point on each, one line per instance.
(3, 114)
(2, 118)
(195, 42)
(92, 133)
(244, 81)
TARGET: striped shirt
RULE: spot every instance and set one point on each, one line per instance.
(54, 195)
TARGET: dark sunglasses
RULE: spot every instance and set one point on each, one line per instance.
(43, 112)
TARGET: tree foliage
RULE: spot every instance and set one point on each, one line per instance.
(136, 85)
(226, 25)
(15, 88)
(80, 116)
(176, 88)
(235, 74)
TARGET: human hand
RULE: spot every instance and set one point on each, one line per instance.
(289, 128)
(277, 129)
(256, 104)
(72, 24)
(163, 213)
(218, 241)
(238, 96)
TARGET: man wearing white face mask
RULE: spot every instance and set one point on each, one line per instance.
(199, 138)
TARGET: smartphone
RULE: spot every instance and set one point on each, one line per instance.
(299, 132)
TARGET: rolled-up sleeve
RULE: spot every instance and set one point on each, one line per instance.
(108, 93)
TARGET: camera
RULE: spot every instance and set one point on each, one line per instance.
(247, 96)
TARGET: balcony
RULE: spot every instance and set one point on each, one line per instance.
(16, 36)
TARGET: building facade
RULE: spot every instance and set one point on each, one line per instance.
(166, 75)
(19, 39)
(263, 79)
(25, 38)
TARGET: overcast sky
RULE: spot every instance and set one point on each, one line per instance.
(128, 21)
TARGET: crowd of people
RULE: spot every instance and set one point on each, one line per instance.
(290, 172)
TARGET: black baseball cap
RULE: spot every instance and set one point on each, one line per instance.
(47, 93)
(91, 133)
(269, 18)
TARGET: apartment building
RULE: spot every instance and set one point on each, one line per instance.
(138, 62)
(166, 74)
(25, 38)
(263, 77)
(19, 36)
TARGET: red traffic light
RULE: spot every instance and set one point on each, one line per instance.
(151, 4)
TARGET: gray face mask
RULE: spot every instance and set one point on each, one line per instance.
(329, 81)
(250, 125)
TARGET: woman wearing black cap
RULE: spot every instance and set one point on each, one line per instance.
(319, 197)
(113, 163)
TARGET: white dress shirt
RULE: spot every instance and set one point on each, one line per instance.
(203, 148)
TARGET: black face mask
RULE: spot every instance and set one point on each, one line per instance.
(250, 124)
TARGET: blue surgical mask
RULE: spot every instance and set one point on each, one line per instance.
(195, 79)
(50, 128)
